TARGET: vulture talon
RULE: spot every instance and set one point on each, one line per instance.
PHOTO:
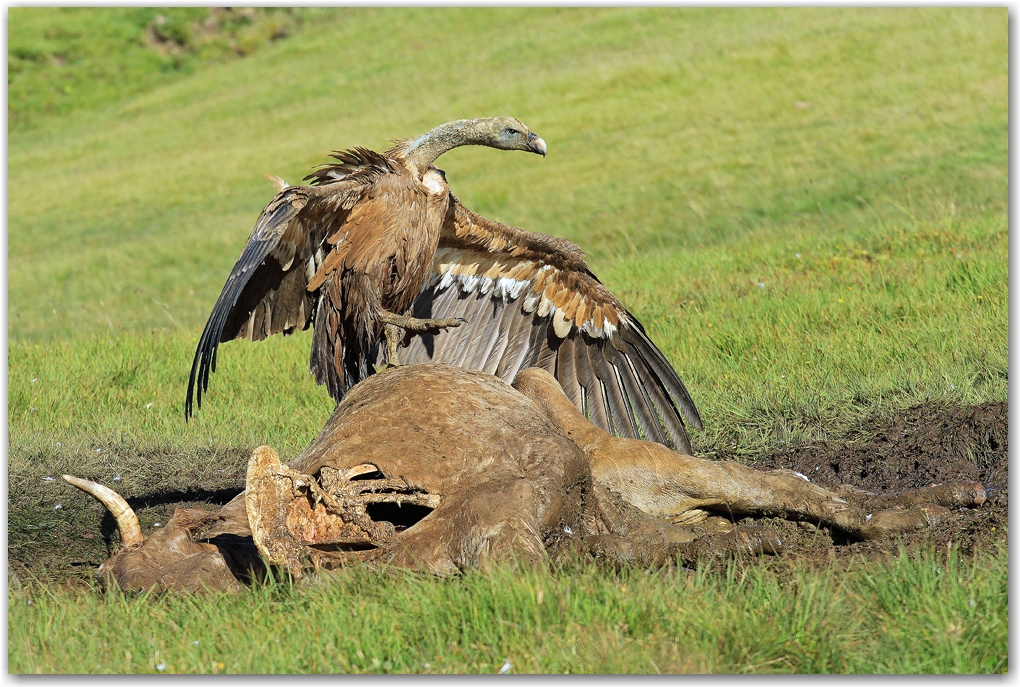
(394, 335)
(416, 325)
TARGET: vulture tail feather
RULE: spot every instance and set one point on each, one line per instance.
(497, 349)
(517, 338)
(619, 411)
(595, 405)
(665, 408)
(478, 336)
(536, 343)
(546, 358)
(461, 307)
(205, 354)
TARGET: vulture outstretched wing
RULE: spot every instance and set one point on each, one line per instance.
(266, 292)
(530, 300)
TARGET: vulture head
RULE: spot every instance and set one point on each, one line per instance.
(507, 133)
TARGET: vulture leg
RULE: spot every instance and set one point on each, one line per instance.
(397, 326)
(394, 335)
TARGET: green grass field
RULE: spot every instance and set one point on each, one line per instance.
(807, 208)
(921, 614)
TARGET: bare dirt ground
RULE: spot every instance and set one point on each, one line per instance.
(56, 534)
(919, 447)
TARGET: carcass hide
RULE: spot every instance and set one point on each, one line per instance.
(437, 468)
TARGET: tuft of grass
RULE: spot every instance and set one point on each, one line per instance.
(931, 612)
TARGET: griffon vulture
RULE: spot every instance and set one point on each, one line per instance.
(378, 248)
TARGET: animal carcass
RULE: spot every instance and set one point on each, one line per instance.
(439, 469)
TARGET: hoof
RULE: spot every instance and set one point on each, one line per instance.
(887, 523)
(750, 541)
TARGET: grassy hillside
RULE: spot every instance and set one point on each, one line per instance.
(65, 59)
(807, 208)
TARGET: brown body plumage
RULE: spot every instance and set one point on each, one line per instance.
(381, 259)
(377, 237)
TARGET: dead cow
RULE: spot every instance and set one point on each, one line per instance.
(439, 469)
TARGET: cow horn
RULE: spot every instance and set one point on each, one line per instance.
(127, 521)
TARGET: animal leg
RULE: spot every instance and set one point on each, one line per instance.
(417, 325)
(669, 485)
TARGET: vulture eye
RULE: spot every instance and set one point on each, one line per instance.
(513, 132)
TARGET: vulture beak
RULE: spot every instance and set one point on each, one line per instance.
(537, 145)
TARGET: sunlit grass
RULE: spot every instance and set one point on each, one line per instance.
(928, 613)
(69, 59)
(691, 169)
(777, 340)
(658, 141)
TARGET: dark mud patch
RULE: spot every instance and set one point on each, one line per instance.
(913, 448)
(916, 447)
(56, 534)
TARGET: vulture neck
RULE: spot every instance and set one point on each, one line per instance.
(422, 151)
